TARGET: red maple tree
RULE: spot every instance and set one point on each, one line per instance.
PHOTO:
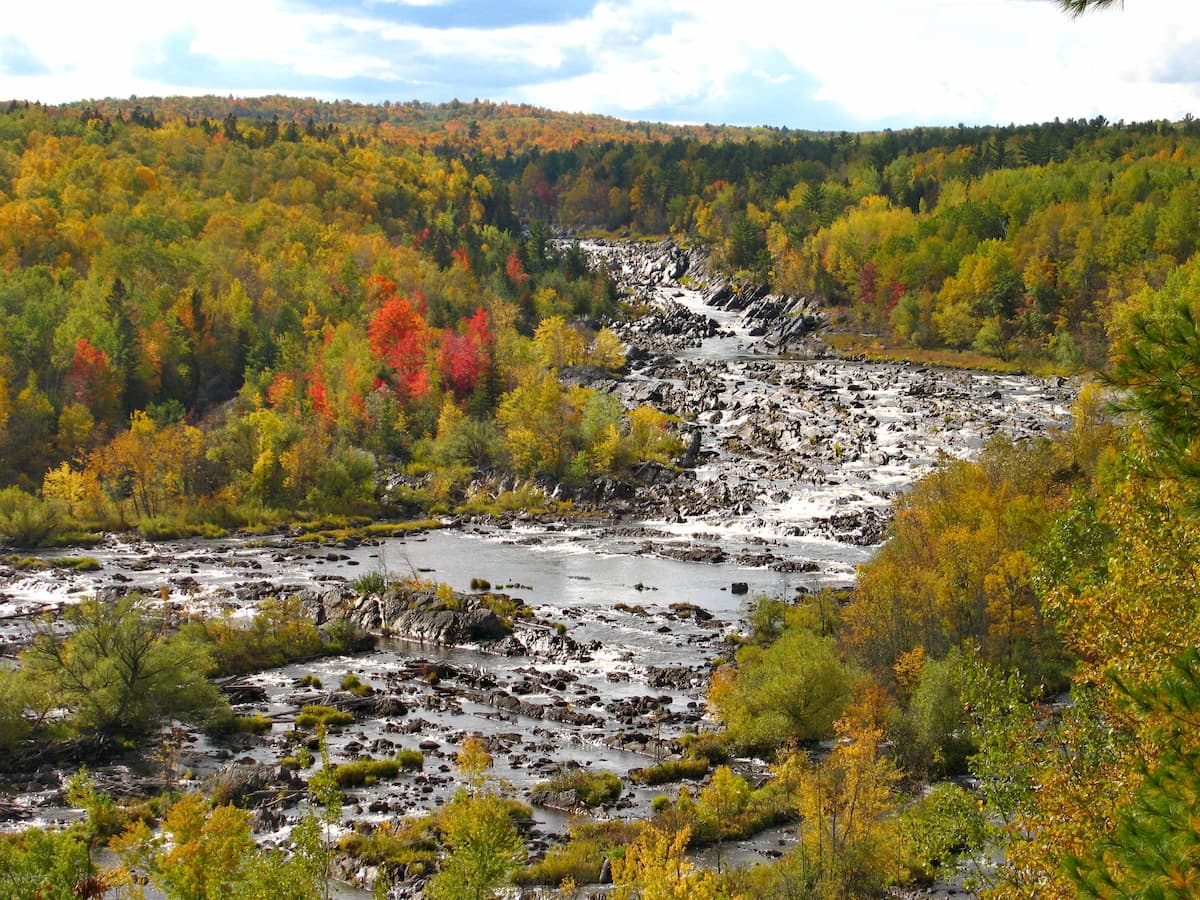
(400, 337)
(466, 354)
(91, 381)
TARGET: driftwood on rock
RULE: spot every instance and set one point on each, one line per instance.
(92, 748)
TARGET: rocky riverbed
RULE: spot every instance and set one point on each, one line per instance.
(792, 459)
(788, 443)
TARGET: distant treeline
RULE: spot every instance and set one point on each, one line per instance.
(1019, 241)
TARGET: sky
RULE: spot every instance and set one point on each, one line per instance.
(830, 65)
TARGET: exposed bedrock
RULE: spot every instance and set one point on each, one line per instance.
(420, 615)
(780, 322)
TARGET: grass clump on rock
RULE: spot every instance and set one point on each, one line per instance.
(352, 684)
(368, 771)
(591, 788)
(316, 716)
(671, 770)
(373, 582)
(302, 758)
(404, 849)
(226, 723)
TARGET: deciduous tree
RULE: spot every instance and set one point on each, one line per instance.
(483, 846)
(118, 671)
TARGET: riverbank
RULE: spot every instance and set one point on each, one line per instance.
(869, 347)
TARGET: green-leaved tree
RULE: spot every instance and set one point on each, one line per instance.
(118, 670)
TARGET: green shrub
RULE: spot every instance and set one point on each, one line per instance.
(792, 690)
(528, 499)
(40, 863)
(712, 746)
(280, 632)
(671, 770)
(14, 727)
(315, 715)
(117, 670)
(505, 607)
(302, 758)
(765, 617)
(340, 637)
(939, 828)
(933, 734)
(105, 819)
(373, 582)
(310, 680)
(26, 520)
(726, 808)
(583, 855)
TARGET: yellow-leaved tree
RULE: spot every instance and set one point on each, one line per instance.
(606, 351)
(850, 844)
(483, 846)
(158, 465)
(655, 867)
(557, 344)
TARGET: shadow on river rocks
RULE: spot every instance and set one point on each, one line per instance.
(448, 619)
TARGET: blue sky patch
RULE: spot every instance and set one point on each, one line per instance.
(17, 59)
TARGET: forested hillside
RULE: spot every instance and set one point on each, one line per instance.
(258, 317)
(1017, 242)
(1024, 241)
(345, 269)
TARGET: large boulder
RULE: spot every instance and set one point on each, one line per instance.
(423, 615)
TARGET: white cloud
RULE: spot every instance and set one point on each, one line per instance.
(928, 61)
(877, 61)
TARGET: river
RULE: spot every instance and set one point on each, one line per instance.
(798, 462)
